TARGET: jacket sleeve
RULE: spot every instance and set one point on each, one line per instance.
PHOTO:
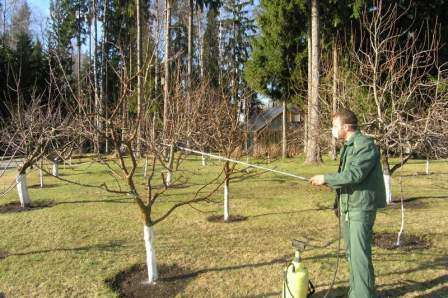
(364, 159)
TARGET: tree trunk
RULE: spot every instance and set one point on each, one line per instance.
(310, 75)
(201, 46)
(139, 77)
(335, 94)
(22, 190)
(169, 176)
(148, 236)
(284, 130)
(55, 170)
(227, 192)
(167, 66)
(427, 166)
(402, 213)
(104, 73)
(190, 46)
(78, 72)
(204, 160)
(95, 79)
(41, 174)
(145, 167)
(387, 179)
(313, 152)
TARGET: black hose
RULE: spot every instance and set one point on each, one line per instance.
(338, 250)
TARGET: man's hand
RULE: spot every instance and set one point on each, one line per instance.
(317, 180)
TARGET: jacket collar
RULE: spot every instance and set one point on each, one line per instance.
(352, 138)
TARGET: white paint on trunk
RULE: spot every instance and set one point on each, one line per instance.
(41, 174)
(226, 200)
(427, 167)
(402, 214)
(55, 171)
(22, 190)
(41, 178)
(169, 177)
(204, 160)
(148, 236)
(388, 186)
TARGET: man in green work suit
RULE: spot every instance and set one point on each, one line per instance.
(360, 187)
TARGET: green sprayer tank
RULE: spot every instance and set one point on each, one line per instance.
(296, 279)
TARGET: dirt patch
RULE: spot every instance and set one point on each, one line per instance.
(15, 207)
(131, 282)
(408, 242)
(232, 218)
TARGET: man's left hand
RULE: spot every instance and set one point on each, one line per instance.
(317, 180)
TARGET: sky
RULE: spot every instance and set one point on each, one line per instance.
(40, 6)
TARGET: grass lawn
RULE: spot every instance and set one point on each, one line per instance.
(89, 236)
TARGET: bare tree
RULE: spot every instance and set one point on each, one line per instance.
(221, 131)
(394, 67)
(38, 130)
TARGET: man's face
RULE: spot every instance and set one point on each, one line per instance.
(339, 130)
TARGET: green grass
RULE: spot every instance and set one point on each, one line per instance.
(89, 236)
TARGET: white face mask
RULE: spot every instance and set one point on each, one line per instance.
(335, 132)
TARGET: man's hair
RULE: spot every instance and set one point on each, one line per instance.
(347, 117)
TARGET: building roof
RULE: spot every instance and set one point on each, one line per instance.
(260, 121)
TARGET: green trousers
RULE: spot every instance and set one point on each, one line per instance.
(357, 231)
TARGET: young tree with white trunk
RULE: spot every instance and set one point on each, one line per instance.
(148, 190)
(32, 133)
(222, 132)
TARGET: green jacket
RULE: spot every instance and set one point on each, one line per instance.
(360, 179)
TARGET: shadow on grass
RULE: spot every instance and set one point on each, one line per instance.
(290, 212)
(110, 246)
(398, 290)
(280, 260)
(409, 286)
(131, 282)
(37, 186)
(411, 199)
(113, 201)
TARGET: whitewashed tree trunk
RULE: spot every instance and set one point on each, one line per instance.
(22, 190)
(148, 236)
(388, 186)
(427, 167)
(226, 200)
(169, 176)
(204, 160)
(41, 178)
(55, 171)
(41, 174)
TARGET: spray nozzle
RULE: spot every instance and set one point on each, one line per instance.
(298, 245)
